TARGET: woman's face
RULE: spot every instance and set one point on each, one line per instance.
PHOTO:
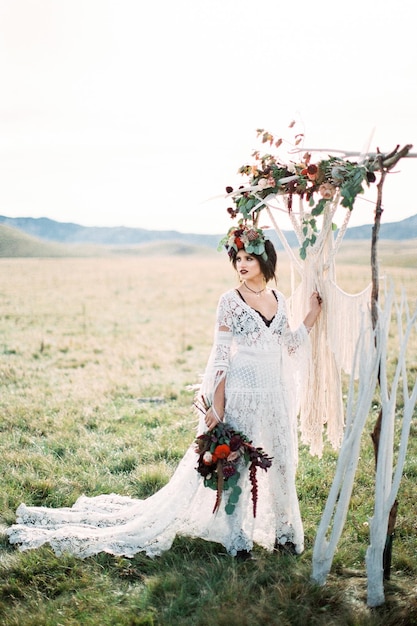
(248, 266)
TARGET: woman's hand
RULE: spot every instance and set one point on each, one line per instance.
(211, 419)
(314, 312)
(315, 302)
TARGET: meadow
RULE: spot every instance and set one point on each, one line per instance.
(98, 359)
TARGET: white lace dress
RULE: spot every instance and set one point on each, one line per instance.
(257, 358)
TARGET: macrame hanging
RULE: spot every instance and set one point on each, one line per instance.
(336, 332)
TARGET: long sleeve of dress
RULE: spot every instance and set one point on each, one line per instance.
(294, 339)
(219, 359)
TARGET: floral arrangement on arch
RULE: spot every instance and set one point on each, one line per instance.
(317, 182)
(221, 452)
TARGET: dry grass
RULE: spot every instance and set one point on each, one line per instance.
(81, 342)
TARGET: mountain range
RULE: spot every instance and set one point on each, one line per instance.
(50, 234)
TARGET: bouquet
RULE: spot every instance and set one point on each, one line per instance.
(221, 452)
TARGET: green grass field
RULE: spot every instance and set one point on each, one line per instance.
(85, 344)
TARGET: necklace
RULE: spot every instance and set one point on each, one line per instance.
(257, 293)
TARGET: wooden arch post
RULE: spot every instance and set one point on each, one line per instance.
(384, 164)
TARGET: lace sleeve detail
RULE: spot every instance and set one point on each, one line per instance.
(218, 362)
(222, 335)
(224, 315)
(221, 348)
(293, 339)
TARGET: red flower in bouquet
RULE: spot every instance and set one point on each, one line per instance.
(222, 451)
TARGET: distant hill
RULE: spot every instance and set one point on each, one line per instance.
(43, 237)
(15, 243)
(405, 229)
(67, 232)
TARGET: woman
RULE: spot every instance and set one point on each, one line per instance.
(252, 375)
(249, 384)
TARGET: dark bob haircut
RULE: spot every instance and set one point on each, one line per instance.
(268, 267)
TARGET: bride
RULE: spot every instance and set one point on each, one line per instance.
(250, 384)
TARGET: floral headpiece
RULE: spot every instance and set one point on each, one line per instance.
(245, 236)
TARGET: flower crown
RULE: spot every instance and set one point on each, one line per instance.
(245, 236)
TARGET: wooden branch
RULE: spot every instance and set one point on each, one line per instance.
(374, 247)
(392, 518)
(388, 161)
(352, 153)
(375, 436)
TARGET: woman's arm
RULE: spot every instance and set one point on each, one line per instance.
(215, 413)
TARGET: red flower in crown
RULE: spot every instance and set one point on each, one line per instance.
(239, 243)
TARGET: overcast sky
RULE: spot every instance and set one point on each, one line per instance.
(138, 113)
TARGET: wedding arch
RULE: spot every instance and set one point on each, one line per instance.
(351, 335)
